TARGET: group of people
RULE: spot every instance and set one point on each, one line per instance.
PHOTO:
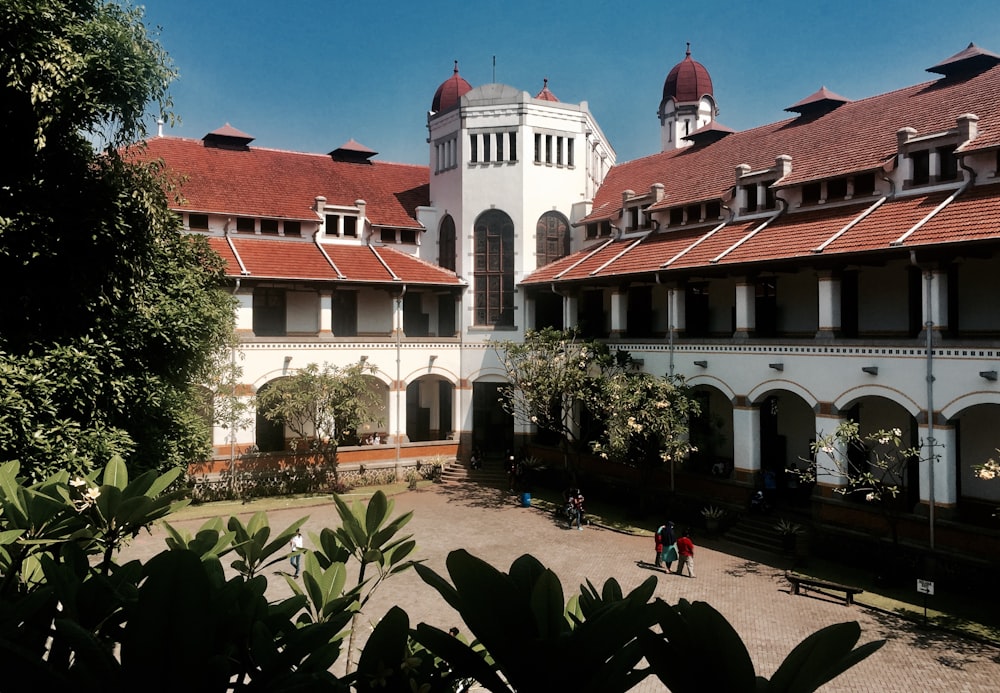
(373, 439)
(670, 548)
(574, 507)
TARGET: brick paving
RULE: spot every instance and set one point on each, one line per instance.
(751, 594)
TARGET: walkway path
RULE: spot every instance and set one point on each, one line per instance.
(752, 595)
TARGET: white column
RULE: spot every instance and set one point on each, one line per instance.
(830, 463)
(244, 311)
(746, 440)
(677, 315)
(829, 304)
(325, 313)
(937, 286)
(746, 308)
(619, 312)
(397, 411)
(529, 313)
(571, 311)
(944, 464)
(397, 315)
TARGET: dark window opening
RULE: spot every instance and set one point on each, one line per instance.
(548, 311)
(921, 167)
(605, 228)
(351, 227)
(408, 236)
(633, 218)
(849, 304)
(948, 163)
(591, 231)
(696, 310)
(269, 226)
(494, 269)
(864, 184)
(345, 313)
(713, 210)
(499, 137)
(245, 225)
(513, 147)
(293, 228)
(548, 149)
(569, 151)
(198, 221)
(639, 314)
(766, 308)
(693, 214)
(751, 198)
(333, 224)
(387, 235)
(676, 216)
(769, 196)
(593, 319)
(538, 149)
(416, 323)
(269, 312)
(446, 315)
(836, 189)
(551, 238)
(446, 243)
(473, 148)
(811, 193)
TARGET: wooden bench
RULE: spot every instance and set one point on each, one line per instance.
(799, 581)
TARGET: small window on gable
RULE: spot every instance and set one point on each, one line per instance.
(633, 218)
(769, 199)
(811, 193)
(921, 162)
(408, 236)
(836, 189)
(387, 235)
(351, 227)
(569, 151)
(605, 228)
(864, 185)
(693, 214)
(751, 198)
(332, 224)
(198, 221)
(269, 226)
(713, 210)
(245, 225)
(473, 148)
(947, 163)
(676, 216)
(591, 231)
(293, 228)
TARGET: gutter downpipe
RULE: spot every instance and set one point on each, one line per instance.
(670, 351)
(931, 456)
(399, 336)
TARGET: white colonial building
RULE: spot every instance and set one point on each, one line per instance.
(841, 264)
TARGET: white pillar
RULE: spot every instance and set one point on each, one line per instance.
(830, 463)
(244, 311)
(529, 313)
(746, 440)
(935, 282)
(945, 466)
(619, 312)
(829, 304)
(571, 311)
(325, 313)
(746, 308)
(677, 315)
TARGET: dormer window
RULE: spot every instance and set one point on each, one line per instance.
(713, 210)
(341, 225)
(387, 235)
(864, 185)
(198, 221)
(811, 193)
(947, 163)
(693, 214)
(676, 216)
(633, 218)
(769, 200)
(269, 226)
(293, 228)
(350, 227)
(750, 195)
(921, 171)
(836, 189)
(246, 225)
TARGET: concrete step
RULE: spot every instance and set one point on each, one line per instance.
(460, 473)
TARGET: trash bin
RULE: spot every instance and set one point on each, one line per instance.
(525, 500)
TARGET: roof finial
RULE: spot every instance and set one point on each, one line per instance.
(545, 82)
(688, 53)
(456, 67)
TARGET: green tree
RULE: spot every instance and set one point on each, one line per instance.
(323, 406)
(593, 398)
(110, 316)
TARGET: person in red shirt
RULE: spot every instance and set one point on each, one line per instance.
(685, 551)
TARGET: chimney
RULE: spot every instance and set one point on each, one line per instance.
(968, 126)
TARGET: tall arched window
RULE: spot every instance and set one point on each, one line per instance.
(446, 243)
(551, 238)
(494, 269)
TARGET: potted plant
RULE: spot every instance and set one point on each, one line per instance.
(713, 517)
(789, 532)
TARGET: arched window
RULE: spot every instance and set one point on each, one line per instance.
(446, 243)
(494, 269)
(551, 238)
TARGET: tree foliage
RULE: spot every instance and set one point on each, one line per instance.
(594, 398)
(111, 317)
(73, 614)
(323, 406)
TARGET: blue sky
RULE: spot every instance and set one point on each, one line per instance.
(308, 75)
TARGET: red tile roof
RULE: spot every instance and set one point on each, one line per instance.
(857, 136)
(257, 182)
(973, 216)
(277, 258)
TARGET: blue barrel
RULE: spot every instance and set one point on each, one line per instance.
(525, 500)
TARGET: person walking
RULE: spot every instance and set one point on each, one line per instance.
(668, 546)
(296, 557)
(576, 502)
(685, 553)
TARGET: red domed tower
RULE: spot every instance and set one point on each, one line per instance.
(450, 91)
(688, 102)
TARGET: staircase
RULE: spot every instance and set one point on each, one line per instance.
(757, 532)
(491, 474)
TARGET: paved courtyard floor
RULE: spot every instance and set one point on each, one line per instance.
(751, 594)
